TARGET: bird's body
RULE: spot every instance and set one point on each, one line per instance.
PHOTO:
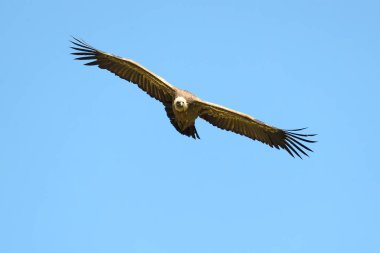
(183, 112)
(183, 108)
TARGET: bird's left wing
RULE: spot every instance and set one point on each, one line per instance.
(250, 127)
(127, 69)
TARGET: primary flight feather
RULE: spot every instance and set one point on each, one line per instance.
(183, 108)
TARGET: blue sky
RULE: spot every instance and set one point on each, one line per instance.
(89, 163)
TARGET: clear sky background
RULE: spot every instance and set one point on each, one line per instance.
(89, 163)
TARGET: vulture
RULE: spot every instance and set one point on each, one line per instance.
(183, 108)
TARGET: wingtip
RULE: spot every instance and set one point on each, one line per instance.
(294, 142)
(73, 38)
(80, 42)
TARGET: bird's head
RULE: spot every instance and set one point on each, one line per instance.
(180, 104)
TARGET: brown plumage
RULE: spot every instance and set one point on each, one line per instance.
(183, 108)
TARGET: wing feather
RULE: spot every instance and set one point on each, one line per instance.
(243, 124)
(127, 69)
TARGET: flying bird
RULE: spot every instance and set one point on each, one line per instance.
(183, 108)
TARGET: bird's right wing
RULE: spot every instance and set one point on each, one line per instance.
(127, 69)
(250, 127)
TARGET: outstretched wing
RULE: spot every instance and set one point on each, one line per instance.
(246, 125)
(127, 69)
